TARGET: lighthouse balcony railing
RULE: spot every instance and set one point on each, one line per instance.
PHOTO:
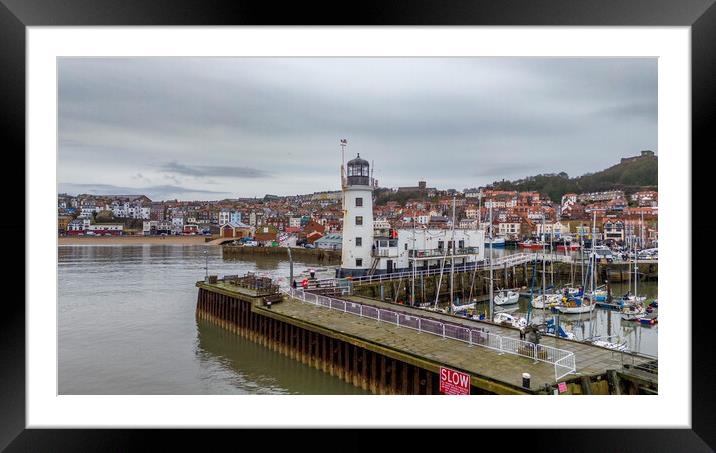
(390, 252)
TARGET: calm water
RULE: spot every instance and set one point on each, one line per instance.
(127, 326)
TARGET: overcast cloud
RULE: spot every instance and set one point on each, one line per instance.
(211, 128)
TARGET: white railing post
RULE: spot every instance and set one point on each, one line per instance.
(470, 337)
(397, 319)
(379, 314)
(420, 327)
(443, 330)
(361, 309)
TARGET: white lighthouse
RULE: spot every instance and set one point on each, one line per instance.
(357, 219)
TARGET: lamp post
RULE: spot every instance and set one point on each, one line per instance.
(206, 266)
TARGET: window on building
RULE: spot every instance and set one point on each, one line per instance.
(359, 242)
(461, 244)
(359, 220)
(406, 246)
(359, 201)
(441, 244)
(359, 262)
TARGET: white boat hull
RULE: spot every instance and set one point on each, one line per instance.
(507, 299)
(539, 301)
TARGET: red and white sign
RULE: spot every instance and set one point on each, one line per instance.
(454, 382)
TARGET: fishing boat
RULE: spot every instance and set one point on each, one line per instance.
(506, 318)
(568, 247)
(496, 243)
(530, 245)
(506, 297)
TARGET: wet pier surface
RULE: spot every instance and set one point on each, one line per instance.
(447, 352)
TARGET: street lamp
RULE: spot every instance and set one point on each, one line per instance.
(206, 266)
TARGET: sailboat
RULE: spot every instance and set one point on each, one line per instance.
(457, 305)
(506, 318)
(577, 303)
(546, 300)
(600, 294)
(506, 297)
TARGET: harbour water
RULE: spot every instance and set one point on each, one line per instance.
(126, 325)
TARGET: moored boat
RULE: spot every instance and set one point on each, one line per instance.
(546, 300)
(506, 297)
(530, 245)
(609, 345)
(495, 243)
(506, 318)
(576, 303)
(568, 247)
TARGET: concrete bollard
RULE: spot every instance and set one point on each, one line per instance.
(526, 380)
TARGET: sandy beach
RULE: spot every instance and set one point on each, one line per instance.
(130, 240)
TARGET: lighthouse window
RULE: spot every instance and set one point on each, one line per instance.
(359, 202)
(359, 262)
(359, 220)
(359, 242)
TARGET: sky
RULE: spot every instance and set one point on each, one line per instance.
(215, 128)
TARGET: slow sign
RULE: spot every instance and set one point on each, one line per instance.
(454, 382)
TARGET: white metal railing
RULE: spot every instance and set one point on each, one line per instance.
(563, 361)
(507, 260)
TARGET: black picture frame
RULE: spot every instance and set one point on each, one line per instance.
(16, 15)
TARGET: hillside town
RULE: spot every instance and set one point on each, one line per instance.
(315, 220)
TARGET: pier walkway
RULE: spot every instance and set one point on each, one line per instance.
(590, 359)
(430, 351)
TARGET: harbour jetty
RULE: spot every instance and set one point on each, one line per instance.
(321, 256)
(401, 350)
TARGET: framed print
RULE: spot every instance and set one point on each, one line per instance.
(270, 219)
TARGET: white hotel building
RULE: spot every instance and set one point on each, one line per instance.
(367, 250)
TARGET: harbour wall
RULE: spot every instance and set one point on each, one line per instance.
(324, 257)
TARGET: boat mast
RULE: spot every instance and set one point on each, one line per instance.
(452, 260)
(412, 289)
(492, 294)
(544, 269)
(594, 237)
(551, 257)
